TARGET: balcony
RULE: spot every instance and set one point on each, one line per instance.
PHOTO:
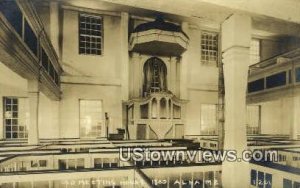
(158, 38)
(274, 78)
(25, 47)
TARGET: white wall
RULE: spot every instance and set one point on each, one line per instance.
(11, 84)
(193, 112)
(90, 76)
(275, 117)
(48, 117)
(202, 83)
(69, 106)
(101, 67)
(269, 48)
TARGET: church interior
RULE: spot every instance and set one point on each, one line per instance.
(80, 79)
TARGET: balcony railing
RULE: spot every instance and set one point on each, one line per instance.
(278, 73)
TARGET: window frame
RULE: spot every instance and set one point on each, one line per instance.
(215, 128)
(18, 131)
(101, 49)
(217, 46)
(104, 125)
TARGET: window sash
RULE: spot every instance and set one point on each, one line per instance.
(209, 47)
(90, 34)
(15, 117)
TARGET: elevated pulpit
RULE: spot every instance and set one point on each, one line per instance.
(159, 115)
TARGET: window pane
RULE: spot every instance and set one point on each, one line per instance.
(253, 177)
(30, 38)
(276, 80)
(256, 85)
(13, 14)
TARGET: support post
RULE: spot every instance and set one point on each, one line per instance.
(236, 36)
(124, 55)
(33, 95)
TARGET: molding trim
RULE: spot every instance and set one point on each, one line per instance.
(90, 10)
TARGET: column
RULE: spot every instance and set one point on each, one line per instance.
(172, 75)
(158, 108)
(150, 109)
(33, 96)
(167, 109)
(184, 66)
(236, 36)
(136, 75)
(54, 26)
(124, 55)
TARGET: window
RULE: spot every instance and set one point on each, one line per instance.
(91, 120)
(30, 38)
(13, 14)
(90, 34)
(256, 85)
(297, 74)
(268, 180)
(48, 66)
(208, 122)
(287, 183)
(155, 76)
(44, 60)
(16, 117)
(253, 177)
(276, 80)
(260, 179)
(254, 51)
(209, 47)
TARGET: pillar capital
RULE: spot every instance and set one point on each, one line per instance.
(236, 31)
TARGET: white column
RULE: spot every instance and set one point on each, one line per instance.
(167, 109)
(54, 25)
(172, 83)
(184, 66)
(33, 95)
(136, 75)
(236, 36)
(124, 55)
(158, 108)
(150, 109)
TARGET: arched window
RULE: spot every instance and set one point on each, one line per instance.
(155, 75)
